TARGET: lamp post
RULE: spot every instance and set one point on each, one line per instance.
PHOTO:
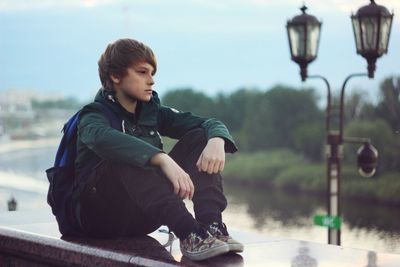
(371, 25)
(304, 32)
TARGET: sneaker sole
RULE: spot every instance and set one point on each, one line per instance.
(207, 254)
(236, 248)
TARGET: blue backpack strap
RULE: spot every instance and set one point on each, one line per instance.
(69, 131)
(115, 122)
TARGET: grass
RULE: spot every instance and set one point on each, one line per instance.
(285, 169)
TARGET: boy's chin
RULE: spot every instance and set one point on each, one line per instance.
(146, 98)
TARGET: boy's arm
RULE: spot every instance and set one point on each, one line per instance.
(95, 131)
(175, 124)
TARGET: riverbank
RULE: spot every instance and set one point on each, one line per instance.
(288, 170)
(7, 145)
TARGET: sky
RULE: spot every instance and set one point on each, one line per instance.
(209, 45)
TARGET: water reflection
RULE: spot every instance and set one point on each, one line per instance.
(303, 259)
(365, 224)
(292, 207)
(372, 259)
(31, 162)
(281, 206)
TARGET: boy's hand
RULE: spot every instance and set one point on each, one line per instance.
(212, 159)
(183, 185)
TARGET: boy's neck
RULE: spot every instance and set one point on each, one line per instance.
(128, 103)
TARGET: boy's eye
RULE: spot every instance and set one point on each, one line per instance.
(145, 72)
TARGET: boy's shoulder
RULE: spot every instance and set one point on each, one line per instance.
(93, 106)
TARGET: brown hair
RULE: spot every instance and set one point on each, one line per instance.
(121, 55)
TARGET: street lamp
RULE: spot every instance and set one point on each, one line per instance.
(371, 25)
(303, 33)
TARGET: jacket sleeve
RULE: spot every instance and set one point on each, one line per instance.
(95, 131)
(175, 124)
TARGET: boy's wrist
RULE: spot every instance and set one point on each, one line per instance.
(217, 139)
(158, 158)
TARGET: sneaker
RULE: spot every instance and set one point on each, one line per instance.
(221, 233)
(202, 245)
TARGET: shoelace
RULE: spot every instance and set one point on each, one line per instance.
(218, 228)
(171, 238)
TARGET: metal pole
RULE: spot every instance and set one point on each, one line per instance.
(333, 169)
(328, 104)
(332, 156)
(335, 139)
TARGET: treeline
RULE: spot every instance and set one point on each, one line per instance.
(64, 103)
(290, 118)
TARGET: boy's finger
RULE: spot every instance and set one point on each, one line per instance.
(181, 189)
(176, 186)
(217, 167)
(222, 166)
(187, 186)
(204, 165)
(192, 194)
(191, 189)
(198, 163)
(210, 168)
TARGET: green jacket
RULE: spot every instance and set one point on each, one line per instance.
(141, 140)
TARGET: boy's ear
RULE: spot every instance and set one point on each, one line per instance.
(114, 78)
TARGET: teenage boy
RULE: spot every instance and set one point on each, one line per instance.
(126, 184)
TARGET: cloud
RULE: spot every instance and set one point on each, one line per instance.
(349, 6)
(11, 5)
(219, 4)
(344, 6)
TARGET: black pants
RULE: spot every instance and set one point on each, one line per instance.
(124, 200)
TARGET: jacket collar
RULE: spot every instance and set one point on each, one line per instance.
(147, 113)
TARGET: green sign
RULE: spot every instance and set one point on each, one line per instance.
(328, 221)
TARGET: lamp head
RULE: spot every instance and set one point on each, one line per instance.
(303, 34)
(371, 25)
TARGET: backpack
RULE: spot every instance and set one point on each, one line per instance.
(62, 175)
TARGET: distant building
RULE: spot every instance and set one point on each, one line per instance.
(18, 103)
(19, 120)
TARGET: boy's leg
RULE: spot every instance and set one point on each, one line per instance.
(208, 200)
(121, 199)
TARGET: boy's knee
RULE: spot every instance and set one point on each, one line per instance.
(198, 134)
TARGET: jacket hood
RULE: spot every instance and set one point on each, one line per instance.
(146, 113)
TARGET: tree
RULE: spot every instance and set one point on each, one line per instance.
(187, 99)
(354, 106)
(272, 117)
(65, 103)
(308, 139)
(231, 109)
(389, 105)
(382, 137)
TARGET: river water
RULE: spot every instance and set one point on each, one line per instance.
(262, 210)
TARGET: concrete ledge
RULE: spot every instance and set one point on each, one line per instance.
(32, 239)
(33, 249)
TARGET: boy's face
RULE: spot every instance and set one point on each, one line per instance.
(137, 84)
